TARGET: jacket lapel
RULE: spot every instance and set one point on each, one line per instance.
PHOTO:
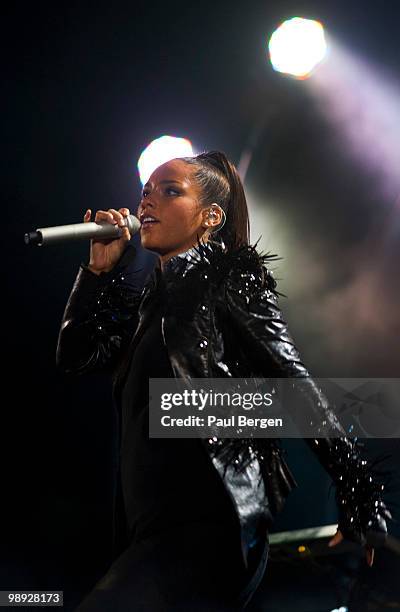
(145, 312)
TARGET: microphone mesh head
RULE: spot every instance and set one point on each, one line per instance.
(132, 223)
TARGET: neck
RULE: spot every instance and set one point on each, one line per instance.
(163, 259)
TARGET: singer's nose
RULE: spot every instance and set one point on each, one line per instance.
(143, 209)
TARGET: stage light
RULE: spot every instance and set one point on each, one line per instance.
(160, 151)
(361, 100)
(297, 46)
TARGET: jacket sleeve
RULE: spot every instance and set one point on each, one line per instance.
(99, 318)
(252, 306)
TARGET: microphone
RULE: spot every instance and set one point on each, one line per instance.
(80, 231)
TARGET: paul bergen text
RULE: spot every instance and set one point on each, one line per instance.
(234, 420)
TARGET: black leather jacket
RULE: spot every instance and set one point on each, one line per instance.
(222, 319)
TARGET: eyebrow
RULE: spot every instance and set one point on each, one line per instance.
(163, 182)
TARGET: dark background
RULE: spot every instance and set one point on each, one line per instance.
(87, 87)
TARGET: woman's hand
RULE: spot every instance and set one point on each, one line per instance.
(105, 253)
(338, 537)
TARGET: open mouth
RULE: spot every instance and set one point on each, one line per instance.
(148, 223)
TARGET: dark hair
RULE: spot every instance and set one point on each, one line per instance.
(219, 182)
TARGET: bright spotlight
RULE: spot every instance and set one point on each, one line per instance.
(297, 46)
(160, 151)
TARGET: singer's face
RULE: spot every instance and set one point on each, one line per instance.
(171, 196)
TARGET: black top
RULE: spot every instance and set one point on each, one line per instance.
(165, 481)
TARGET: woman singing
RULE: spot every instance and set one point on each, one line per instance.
(192, 516)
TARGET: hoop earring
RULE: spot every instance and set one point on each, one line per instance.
(212, 214)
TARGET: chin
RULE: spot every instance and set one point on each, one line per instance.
(147, 242)
(151, 245)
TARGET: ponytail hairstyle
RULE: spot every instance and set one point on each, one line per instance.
(219, 182)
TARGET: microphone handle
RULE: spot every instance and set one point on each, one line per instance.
(80, 231)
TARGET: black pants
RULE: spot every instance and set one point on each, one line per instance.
(196, 567)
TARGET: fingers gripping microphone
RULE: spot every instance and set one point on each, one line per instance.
(81, 231)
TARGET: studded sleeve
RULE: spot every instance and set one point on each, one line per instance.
(99, 318)
(254, 314)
